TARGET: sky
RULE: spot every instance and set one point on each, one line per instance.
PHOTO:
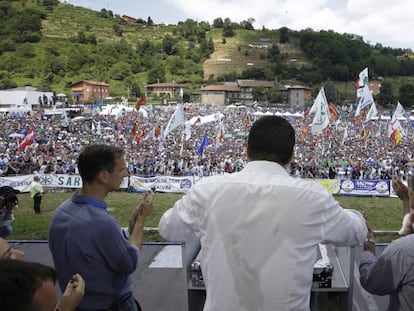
(386, 22)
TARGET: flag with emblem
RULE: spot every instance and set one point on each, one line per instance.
(321, 118)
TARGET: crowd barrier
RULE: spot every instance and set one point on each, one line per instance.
(170, 184)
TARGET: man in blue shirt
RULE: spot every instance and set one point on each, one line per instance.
(84, 238)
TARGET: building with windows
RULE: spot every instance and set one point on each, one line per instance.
(224, 94)
(89, 91)
(169, 90)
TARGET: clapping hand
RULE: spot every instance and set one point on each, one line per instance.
(142, 211)
(73, 295)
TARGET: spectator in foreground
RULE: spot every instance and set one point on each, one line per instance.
(259, 228)
(84, 238)
(392, 273)
(8, 201)
(31, 286)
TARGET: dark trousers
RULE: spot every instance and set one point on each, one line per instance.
(37, 199)
(126, 303)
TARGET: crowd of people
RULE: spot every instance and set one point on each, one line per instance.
(343, 150)
(223, 214)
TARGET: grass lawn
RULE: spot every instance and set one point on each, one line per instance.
(384, 214)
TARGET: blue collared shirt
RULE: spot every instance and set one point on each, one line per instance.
(85, 239)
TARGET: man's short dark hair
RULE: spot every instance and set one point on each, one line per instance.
(19, 281)
(95, 158)
(271, 138)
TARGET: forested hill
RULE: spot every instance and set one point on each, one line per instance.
(51, 45)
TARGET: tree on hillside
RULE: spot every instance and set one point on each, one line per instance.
(156, 73)
(150, 22)
(284, 35)
(387, 95)
(259, 94)
(247, 24)
(330, 91)
(228, 29)
(218, 23)
(273, 54)
(407, 95)
(169, 45)
(275, 95)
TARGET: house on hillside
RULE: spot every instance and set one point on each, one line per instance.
(89, 91)
(128, 19)
(296, 95)
(218, 95)
(246, 89)
(375, 86)
(241, 91)
(171, 90)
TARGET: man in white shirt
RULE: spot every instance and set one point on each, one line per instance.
(259, 228)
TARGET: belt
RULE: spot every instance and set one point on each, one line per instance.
(116, 307)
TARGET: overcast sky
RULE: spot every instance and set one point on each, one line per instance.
(387, 22)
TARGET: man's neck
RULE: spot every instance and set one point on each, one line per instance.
(94, 191)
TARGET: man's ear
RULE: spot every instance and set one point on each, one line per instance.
(102, 177)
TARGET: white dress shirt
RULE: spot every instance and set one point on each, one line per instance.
(259, 230)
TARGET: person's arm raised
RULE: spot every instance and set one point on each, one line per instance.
(137, 220)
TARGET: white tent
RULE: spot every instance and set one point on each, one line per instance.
(258, 113)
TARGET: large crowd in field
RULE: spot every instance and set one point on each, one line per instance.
(343, 150)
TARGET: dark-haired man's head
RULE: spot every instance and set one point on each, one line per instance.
(95, 158)
(27, 286)
(271, 138)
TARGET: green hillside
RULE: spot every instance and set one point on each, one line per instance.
(51, 45)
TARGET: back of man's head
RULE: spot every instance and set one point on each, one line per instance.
(95, 158)
(271, 138)
(19, 281)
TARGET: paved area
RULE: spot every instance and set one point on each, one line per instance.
(161, 283)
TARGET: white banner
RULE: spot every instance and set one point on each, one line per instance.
(22, 183)
(161, 184)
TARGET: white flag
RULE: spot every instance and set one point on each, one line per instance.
(372, 113)
(176, 120)
(363, 77)
(321, 119)
(187, 130)
(64, 121)
(395, 130)
(345, 135)
(365, 100)
(399, 111)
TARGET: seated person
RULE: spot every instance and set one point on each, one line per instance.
(31, 286)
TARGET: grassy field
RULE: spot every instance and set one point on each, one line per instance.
(384, 214)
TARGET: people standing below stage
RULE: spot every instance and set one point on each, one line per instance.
(259, 228)
(85, 238)
(36, 193)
